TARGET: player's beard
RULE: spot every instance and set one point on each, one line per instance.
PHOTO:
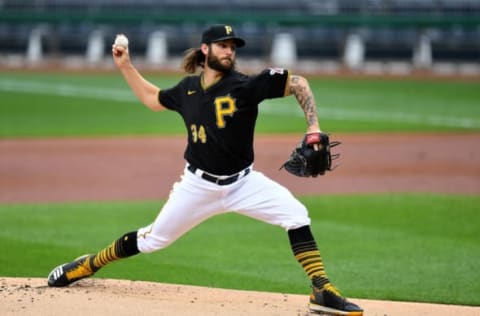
(215, 63)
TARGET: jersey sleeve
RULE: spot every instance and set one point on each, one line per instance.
(269, 84)
(171, 98)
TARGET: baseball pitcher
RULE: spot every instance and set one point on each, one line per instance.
(219, 107)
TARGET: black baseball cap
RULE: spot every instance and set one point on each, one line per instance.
(221, 32)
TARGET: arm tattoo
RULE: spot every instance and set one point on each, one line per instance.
(304, 96)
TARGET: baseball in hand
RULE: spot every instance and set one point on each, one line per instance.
(121, 40)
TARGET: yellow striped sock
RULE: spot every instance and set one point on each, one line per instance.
(311, 261)
(105, 256)
(123, 247)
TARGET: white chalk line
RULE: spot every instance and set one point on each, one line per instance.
(379, 116)
(125, 95)
(68, 90)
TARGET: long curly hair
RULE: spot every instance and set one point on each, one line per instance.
(193, 58)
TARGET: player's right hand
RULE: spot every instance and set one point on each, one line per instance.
(120, 55)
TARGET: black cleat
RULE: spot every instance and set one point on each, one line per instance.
(329, 301)
(68, 273)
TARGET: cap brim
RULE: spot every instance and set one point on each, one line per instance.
(238, 41)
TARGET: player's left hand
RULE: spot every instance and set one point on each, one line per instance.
(312, 157)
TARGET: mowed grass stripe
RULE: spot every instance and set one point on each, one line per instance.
(270, 107)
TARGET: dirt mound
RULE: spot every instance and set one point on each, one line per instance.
(21, 296)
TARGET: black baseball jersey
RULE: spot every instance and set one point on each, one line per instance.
(221, 118)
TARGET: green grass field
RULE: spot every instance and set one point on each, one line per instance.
(400, 247)
(413, 247)
(65, 105)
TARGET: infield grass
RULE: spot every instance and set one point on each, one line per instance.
(400, 247)
(38, 105)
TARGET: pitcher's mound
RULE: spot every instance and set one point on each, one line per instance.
(32, 296)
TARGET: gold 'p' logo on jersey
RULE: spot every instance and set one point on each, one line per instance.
(228, 29)
(224, 106)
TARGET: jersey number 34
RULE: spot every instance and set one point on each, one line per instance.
(198, 133)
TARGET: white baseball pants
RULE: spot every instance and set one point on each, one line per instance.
(193, 200)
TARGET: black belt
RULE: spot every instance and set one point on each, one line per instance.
(218, 180)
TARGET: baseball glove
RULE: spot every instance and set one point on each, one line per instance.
(305, 161)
